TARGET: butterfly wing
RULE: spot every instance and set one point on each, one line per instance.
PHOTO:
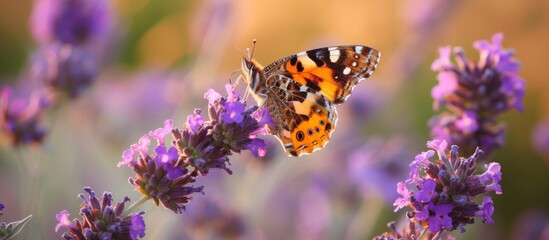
(331, 71)
(304, 118)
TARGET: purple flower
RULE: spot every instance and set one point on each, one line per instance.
(166, 175)
(426, 190)
(137, 227)
(257, 147)
(234, 112)
(411, 231)
(195, 121)
(486, 210)
(376, 166)
(63, 220)
(492, 176)
(445, 188)
(531, 224)
(212, 96)
(440, 220)
(161, 133)
(475, 93)
(20, 119)
(101, 220)
(1, 208)
(420, 159)
(403, 191)
(70, 21)
(142, 146)
(66, 68)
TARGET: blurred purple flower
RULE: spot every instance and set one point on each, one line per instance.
(1, 208)
(101, 220)
(315, 212)
(376, 166)
(65, 68)
(531, 224)
(476, 93)
(540, 137)
(196, 149)
(212, 215)
(20, 119)
(71, 21)
(442, 197)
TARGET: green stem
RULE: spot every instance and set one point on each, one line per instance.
(139, 202)
(424, 234)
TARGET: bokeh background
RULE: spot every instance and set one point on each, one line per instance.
(163, 55)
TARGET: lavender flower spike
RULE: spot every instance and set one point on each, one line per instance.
(443, 190)
(166, 175)
(70, 21)
(20, 120)
(101, 220)
(476, 93)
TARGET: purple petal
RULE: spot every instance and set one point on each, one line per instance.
(212, 96)
(127, 158)
(195, 121)
(234, 112)
(444, 60)
(161, 133)
(137, 227)
(427, 191)
(486, 209)
(63, 219)
(447, 84)
(233, 95)
(403, 191)
(257, 147)
(438, 145)
(142, 146)
(467, 122)
(423, 214)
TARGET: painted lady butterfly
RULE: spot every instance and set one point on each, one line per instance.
(300, 91)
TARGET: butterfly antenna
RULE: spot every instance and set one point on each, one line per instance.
(240, 50)
(251, 54)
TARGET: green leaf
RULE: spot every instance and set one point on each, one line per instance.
(13, 228)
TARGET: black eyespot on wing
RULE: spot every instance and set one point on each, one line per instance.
(317, 129)
(300, 136)
(322, 122)
(310, 132)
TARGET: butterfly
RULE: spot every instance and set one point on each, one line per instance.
(300, 91)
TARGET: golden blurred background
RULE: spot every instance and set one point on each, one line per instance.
(163, 55)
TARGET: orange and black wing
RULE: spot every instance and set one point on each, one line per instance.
(331, 71)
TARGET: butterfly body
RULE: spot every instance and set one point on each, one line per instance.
(300, 91)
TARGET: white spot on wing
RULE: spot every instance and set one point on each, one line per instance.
(354, 64)
(346, 71)
(358, 49)
(334, 55)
